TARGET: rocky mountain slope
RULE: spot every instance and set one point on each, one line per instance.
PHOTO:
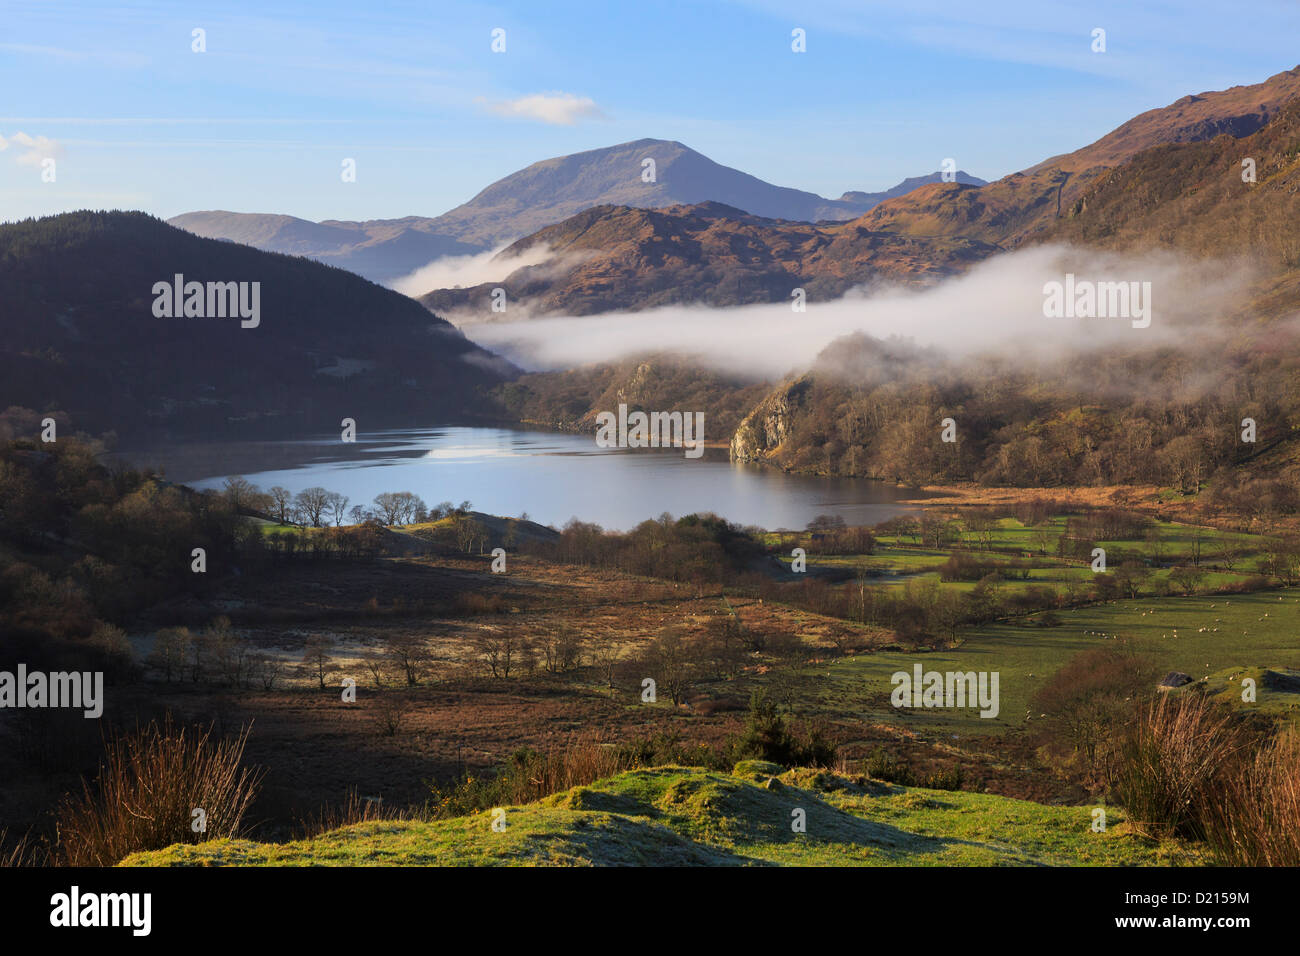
(1016, 207)
(616, 257)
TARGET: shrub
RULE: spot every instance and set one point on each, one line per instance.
(1171, 768)
(768, 736)
(19, 852)
(967, 567)
(476, 603)
(1256, 819)
(527, 776)
(354, 809)
(147, 790)
(1087, 701)
(882, 765)
(949, 779)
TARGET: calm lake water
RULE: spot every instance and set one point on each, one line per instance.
(553, 477)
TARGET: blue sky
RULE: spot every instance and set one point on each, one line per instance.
(262, 121)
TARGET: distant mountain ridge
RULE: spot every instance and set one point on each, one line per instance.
(912, 182)
(380, 251)
(645, 174)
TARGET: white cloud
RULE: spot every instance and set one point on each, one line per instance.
(558, 109)
(34, 148)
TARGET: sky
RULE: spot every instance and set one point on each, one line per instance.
(263, 119)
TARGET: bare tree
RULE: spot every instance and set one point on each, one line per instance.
(982, 527)
(316, 656)
(170, 648)
(499, 651)
(1226, 550)
(389, 505)
(376, 664)
(267, 668)
(561, 650)
(312, 503)
(1186, 577)
(281, 501)
(671, 662)
(605, 659)
(232, 653)
(468, 533)
(410, 655)
(336, 506)
(243, 495)
(391, 712)
(410, 508)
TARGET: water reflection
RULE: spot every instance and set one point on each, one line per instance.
(552, 477)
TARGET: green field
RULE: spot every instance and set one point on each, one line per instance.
(1260, 630)
(1174, 539)
(900, 559)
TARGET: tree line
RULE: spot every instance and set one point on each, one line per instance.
(318, 507)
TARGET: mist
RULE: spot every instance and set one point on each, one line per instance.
(996, 307)
(459, 272)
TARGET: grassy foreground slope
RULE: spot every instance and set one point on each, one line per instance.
(684, 816)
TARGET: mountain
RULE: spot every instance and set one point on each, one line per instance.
(552, 190)
(1160, 412)
(1164, 414)
(1237, 111)
(907, 185)
(381, 250)
(618, 257)
(82, 336)
(540, 195)
(1196, 198)
(1016, 207)
(1003, 213)
(615, 258)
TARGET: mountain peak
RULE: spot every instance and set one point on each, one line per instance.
(907, 185)
(643, 173)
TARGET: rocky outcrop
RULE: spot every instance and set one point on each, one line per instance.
(761, 432)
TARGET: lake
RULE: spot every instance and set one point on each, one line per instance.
(551, 476)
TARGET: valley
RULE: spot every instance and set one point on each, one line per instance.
(604, 518)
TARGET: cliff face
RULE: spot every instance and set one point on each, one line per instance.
(761, 433)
